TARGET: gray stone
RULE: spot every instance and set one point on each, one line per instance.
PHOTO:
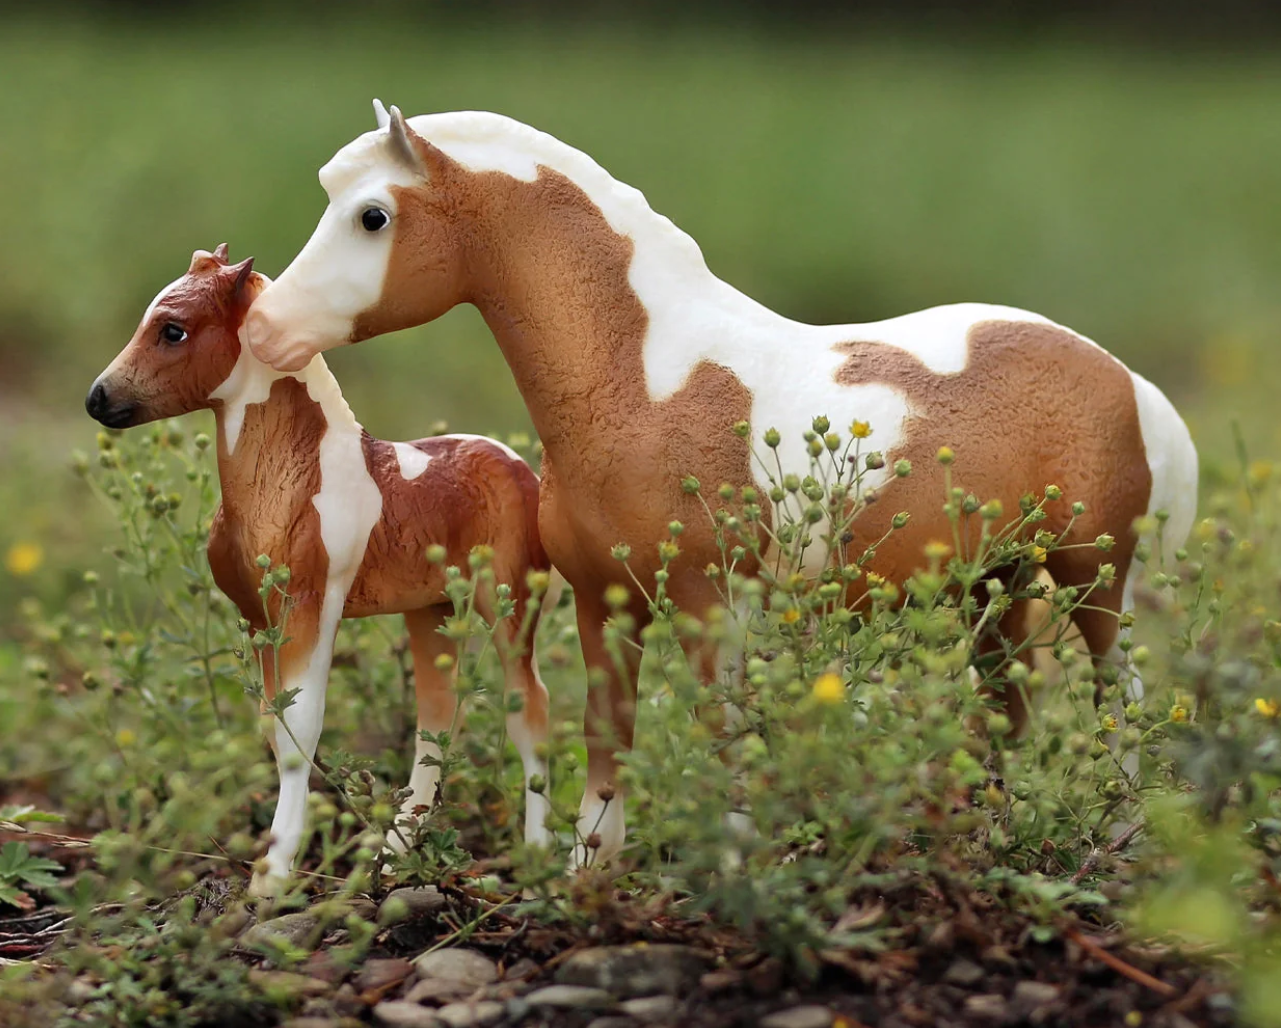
(298, 929)
(290, 984)
(1030, 995)
(471, 1015)
(799, 1017)
(581, 997)
(649, 1008)
(987, 1007)
(417, 903)
(396, 1013)
(438, 990)
(964, 973)
(382, 974)
(464, 966)
(523, 968)
(640, 970)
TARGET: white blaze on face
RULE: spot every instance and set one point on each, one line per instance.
(339, 273)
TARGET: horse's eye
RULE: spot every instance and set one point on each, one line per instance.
(374, 219)
(173, 333)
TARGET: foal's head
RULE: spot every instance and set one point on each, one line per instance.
(184, 348)
(389, 190)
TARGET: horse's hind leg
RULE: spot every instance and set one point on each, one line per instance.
(1099, 622)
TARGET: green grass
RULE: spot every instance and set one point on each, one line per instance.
(1128, 195)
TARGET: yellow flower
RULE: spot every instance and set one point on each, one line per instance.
(945, 455)
(1178, 713)
(23, 558)
(828, 688)
(125, 738)
(791, 616)
(860, 430)
(1268, 708)
(936, 550)
(873, 579)
(1039, 554)
(1110, 723)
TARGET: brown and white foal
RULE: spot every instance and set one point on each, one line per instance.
(351, 516)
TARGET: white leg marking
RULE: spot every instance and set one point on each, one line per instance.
(605, 819)
(304, 719)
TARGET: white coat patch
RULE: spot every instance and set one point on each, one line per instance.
(413, 461)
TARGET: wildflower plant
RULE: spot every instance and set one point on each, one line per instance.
(839, 755)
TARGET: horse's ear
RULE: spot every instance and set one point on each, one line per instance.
(402, 147)
(411, 149)
(220, 251)
(380, 114)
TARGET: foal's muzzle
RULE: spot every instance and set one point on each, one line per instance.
(101, 409)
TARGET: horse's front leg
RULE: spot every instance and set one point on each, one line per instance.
(609, 721)
(301, 663)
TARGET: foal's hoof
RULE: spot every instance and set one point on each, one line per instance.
(265, 885)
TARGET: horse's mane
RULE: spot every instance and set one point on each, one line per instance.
(484, 141)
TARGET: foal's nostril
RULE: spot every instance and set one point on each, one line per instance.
(96, 401)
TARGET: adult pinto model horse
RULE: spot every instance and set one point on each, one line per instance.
(351, 516)
(635, 361)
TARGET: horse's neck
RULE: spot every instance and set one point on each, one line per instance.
(584, 314)
(264, 427)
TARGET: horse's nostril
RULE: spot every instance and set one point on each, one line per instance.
(96, 401)
(256, 329)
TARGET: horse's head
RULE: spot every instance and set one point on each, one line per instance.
(184, 348)
(386, 254)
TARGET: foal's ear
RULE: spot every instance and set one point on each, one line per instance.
(220, 251)
(411, 149)
(243, 270)
(202, 261)
(380, 114)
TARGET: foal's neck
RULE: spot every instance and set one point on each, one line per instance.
(267, 419)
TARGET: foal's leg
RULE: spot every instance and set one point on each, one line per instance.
(267, 721)
(608, 722)
(303, 662)
(437, 705)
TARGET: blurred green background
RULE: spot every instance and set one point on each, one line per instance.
(841, 174)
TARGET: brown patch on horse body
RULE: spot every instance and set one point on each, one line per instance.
(614, 458)
(1035, 405)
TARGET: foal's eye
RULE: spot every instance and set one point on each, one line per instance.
(173, 333)
(374, 219)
